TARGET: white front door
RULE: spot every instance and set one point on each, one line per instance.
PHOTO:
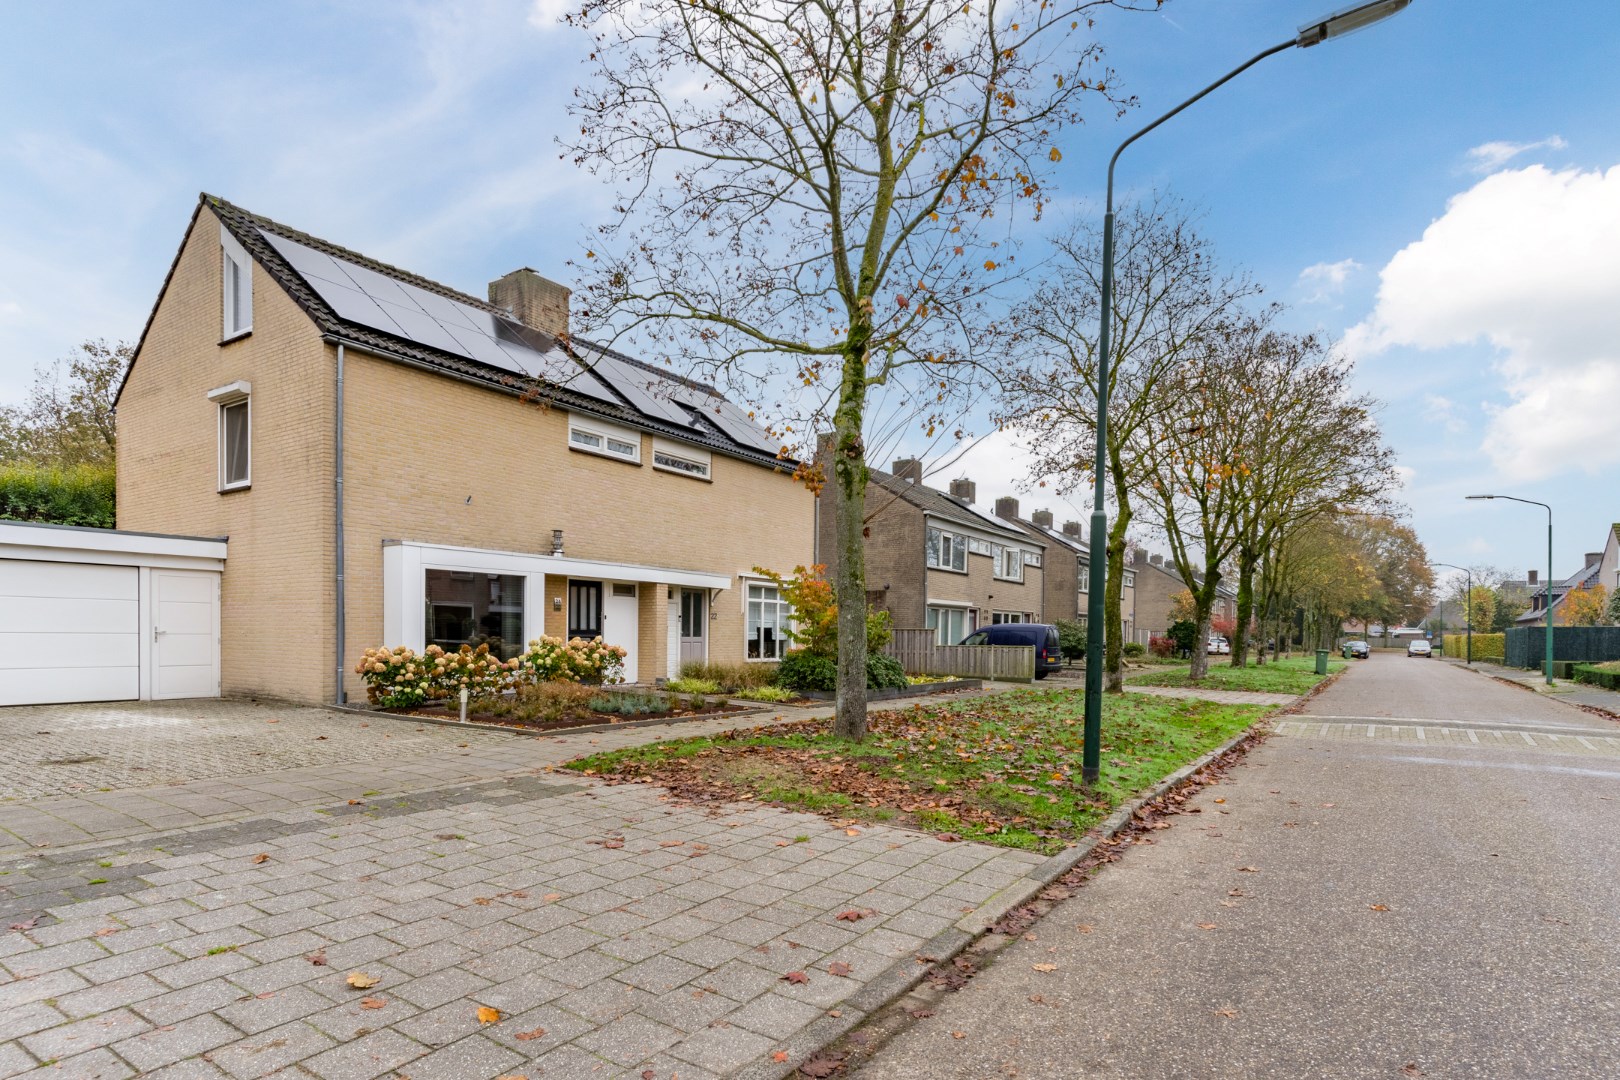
(621, 621)
(68, 632)
(185, 634)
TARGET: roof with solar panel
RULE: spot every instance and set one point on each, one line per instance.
(395, 313)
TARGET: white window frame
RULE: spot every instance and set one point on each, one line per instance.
(980, 547)
(1032, 558)
(1004, 557)
(784, 620)
(688, 461)
(955, 543)
(226, 397)
(236, 304)
(1128, 581)
(604, 435)
(967, 614)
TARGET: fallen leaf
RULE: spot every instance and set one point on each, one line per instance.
(1220, 800)
(1378, 907)
(852, 832)
(506, 1076)
(552, 896)
(487, 1015)
(104, 931)
(856, 915)
(372, 1003)
(318, 958)
(839, 968)
(482, 901)
(1228, 1013)
(1248, 869)
(527, 1036)
(921, 1014)
(780, 1055)
(26, 924)
(613, 844)
(261, 857)
(958, 1034)
(1044, 967)
(360, 980)
(1411, 1069)
(1328, 805)
(947, 838)
(795, 977)
(1236, 892)
(439, 836)
(1207, 926)
(357, 802)
(671, 843)
(1085, 928)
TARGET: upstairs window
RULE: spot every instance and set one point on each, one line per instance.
(1009, 563)
(235, 435)
(947, 551)
(680, 458)
(237, 287)
(600, 437)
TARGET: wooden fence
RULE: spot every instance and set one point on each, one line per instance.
(920, 654)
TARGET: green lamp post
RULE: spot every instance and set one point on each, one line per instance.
(1333, 26)
(1549, 631)
(1469, 629)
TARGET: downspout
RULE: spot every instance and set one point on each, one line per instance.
(340, 697)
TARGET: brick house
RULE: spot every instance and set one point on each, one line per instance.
(1067, 570)
(934, 559)
(1157, 584)
(397, 462)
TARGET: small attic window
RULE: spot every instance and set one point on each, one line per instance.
(236, 286)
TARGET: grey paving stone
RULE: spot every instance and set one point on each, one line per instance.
(537, 1031)
(366, 1057)
(629, 1040)
(202, 969)
(475, 1056)
(605, 1001)
(160, 1047)
(721, 1050)
(14, 1059)
(178, 1005)
(575, 1063)
(268, 1051)
(95, 1065)
(27, 1019)
(661, 974)
(261, 1012)
(775, 1016)
(433, 990)
(55, 958)
(80, 1036)
(97, 999)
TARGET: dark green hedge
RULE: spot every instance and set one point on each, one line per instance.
(1587, 673)
(80, 495)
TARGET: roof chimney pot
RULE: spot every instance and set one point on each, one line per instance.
(536, 302)
(908, 469)
(964, 489)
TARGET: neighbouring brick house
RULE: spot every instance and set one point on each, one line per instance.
(1590, 575)
(416, 466)
(1157, 585)
(1067, 569)
(935, 560)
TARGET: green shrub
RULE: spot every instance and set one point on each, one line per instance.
(879, 631)
(1071, 638)
(804, 670)
(1486, 646)
(1134, 649)
(75, 495)
(767, 693)
(630, 703)
(1183, 632)
(693, 686)
(884, 673)
(1595, 675)
(546, 702)
(731, 677)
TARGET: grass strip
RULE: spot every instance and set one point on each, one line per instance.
(1295, 675)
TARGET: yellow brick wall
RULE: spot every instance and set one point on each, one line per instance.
(277, 589)
(980, 587)
(428, 459)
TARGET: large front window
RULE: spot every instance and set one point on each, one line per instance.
(950, 624)
(768, 617)
(947, 551)
(465, 608)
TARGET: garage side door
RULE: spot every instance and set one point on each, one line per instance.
(68, 632)
(185, 634)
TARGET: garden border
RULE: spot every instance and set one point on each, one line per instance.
(584, 729)
(889, 693)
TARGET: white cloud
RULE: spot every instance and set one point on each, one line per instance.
(1405, 474)
(1439, 409)
(548, 14)
(1528, 262)
(1488, 157)
(1326, 280)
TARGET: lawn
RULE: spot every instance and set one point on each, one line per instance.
(1004, 769)
(1295, 675)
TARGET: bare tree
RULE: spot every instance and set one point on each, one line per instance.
(68, 417)
(820, 187)
(1168, 293)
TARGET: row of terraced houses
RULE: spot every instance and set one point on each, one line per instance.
(319, 453)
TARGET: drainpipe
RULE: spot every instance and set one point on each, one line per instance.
(339, 695)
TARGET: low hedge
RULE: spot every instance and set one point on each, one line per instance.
(1486, 646)
(1593, 675)
(76, 495)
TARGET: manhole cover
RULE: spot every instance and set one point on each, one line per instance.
(85, 760)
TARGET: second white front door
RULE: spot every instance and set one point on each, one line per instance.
(185, 634)
(621, 621)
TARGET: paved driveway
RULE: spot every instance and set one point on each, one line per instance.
(1416, 878)
(612, 933)
(67, 749)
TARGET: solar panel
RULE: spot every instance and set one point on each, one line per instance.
(360, 295)
(739, 426)
(648, 392)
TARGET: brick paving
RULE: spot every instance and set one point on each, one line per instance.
(614, 931)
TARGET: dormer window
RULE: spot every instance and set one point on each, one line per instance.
(236, 301)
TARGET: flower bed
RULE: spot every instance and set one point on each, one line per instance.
(400, 678)
(549, 706)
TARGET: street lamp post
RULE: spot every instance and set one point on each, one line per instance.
(1548, 633)
(1335, 25)
(1469, 629)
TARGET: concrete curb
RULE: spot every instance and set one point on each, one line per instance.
(588, 729)
(903, 975)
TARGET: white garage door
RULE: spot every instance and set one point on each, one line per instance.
(68, 632)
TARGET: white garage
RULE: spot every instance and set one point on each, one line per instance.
(104, 615)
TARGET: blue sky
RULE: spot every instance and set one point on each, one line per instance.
(1442, 191)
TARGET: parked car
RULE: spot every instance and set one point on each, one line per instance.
(1219, 645)
(1043, 636)
(1418, 647)
(1356, 650)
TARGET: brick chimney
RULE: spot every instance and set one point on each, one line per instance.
(908, 469)
(1532, 578)
(534, 301)
(1042, 519)
(1593, 557)
(964, 489)
(1071, 528)
(1007, 507)
(1156, 560)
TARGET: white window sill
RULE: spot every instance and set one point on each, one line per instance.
(949, 570)
(238, 336)
(636, 461)
(681, 472)
(243, 486)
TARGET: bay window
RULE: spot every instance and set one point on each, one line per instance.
(767, 624)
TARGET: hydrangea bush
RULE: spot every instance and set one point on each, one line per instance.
(401, 678)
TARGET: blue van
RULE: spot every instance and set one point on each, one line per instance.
(1043, 636)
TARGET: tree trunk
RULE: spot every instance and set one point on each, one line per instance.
(1113, 594)
(1200, 653)
(1245, 610)
(849, 584)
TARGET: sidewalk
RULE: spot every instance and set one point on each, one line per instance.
(1563, 689)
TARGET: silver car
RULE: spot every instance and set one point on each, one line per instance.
(1418, 647)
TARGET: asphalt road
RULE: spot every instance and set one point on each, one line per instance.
(1252, 939)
